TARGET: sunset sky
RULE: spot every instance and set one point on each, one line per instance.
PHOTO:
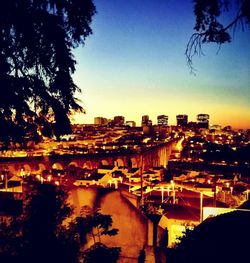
(134, 65)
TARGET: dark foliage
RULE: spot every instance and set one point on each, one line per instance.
(96, 225)
(210, 26)
(36, 63)
(39, 235)
(224, 238)
(99, 253)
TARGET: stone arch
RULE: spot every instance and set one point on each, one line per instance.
(73, 169)
(134, 162)
(88, 165)
(42, 167)
(27, 168)
(11, 169)
(75, 164)
(119, 162)
(104, 162)
(57, 166)
(35, 167)
(30, 144)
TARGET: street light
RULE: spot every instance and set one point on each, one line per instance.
(5, 176)
(173, 185)
(215, 194)
(60, 178)
(141, 175)
(162, 194)
(168, 189)
(201, 206)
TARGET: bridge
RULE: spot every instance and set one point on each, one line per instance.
(153, 156)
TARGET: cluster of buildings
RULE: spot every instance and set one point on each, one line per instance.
(145, 201)
(162, 120)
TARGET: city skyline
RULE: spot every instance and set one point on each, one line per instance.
(155, 121)
(134, 65)
(158, 169)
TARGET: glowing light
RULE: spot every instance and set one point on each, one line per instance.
(162, 194)
(168, 189)
(22, 172)
(109, 182)
(38, 177)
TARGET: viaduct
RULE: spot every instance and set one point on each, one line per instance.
(153, 156)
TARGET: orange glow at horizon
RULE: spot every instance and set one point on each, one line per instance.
(238, 119)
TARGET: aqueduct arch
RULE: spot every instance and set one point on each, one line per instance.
(74, 163)
(57, 166)
(104, 162)
(88, 165)
(134, 162)
(119, 163)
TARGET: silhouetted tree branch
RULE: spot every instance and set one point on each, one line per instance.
(208, 27)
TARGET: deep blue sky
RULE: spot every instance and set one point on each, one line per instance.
(134, 64)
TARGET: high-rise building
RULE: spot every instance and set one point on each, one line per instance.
(162, 120)
(119, 120)
(100, 121)
(145, 121)
(203, 120)
(182, 120)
